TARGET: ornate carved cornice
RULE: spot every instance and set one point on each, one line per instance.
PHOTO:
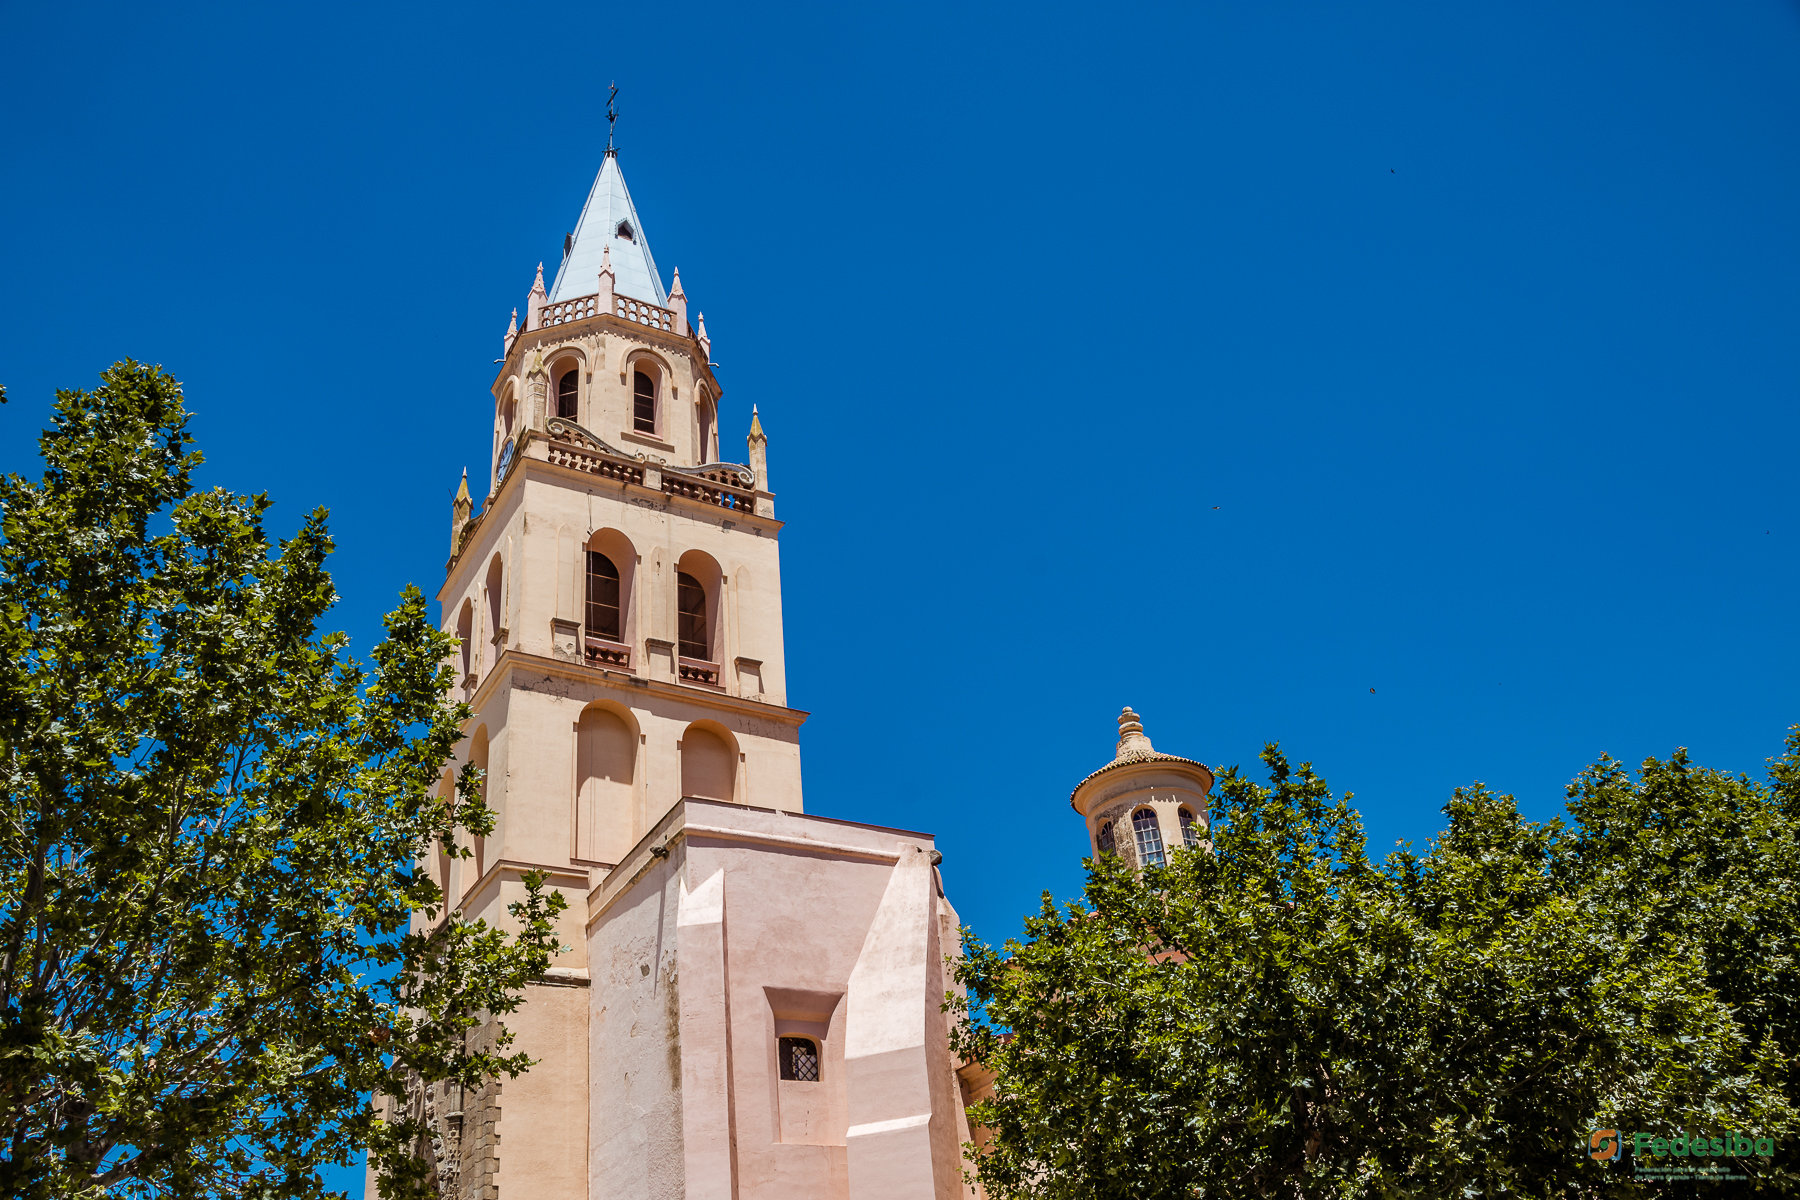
(569, 431)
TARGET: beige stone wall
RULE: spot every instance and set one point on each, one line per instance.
(606, 354)
(519, 586)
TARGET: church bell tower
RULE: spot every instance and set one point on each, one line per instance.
(748, 1004)
(617, 600)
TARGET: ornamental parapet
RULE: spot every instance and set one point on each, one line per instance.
(625, 308)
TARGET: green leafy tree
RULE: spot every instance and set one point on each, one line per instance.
(211, 828)
(1274, 1015)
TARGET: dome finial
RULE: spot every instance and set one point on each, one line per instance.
(1131, 735)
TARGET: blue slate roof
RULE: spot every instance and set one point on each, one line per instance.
(608, 207)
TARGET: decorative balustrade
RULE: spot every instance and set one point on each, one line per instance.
(698, 671)
(564, 455)
(692, 487)
(644, 314)
(624, 307)
(564, 311)
(602, 653)
(723, 485)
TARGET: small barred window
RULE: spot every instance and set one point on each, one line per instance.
(602, 596)
(566, 390)
(643, 403)
(799, 1059)
(1149, 838)
(690, 617)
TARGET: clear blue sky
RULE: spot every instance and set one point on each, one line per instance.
(1226, 361)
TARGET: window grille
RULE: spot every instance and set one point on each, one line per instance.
(1190, 829)
(1105, 839)
(1149, 838)
(691, 601)
(565, 395)
(602, 596)
(643, 403)
(799, 1059)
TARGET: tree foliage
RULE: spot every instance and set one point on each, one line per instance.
(1274, 1015)
(211, 825)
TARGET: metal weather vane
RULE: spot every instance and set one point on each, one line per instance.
(612, 115)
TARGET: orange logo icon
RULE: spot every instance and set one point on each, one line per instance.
(1604, 1143)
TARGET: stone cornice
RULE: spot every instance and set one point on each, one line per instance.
(679, 824)
(515, 660)
(523, 464)
(560, 876)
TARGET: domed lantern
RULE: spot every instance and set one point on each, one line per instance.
(1144, 805)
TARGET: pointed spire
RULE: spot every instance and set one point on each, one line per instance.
(460, 508)
(705, 342)
(609, 221)
(759, 457)
(678, 304)
(534, 300)
(512, 333)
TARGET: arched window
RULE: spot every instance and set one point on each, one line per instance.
(643, 403)
(1105, 839)
(478, 755)
(800, 1059)
(566, 389)
(691, 608)
(708, 767)
(496, 598)
(602, 597)
(1149, 838)
(624, 231)
(705, 451)
(1190, 829)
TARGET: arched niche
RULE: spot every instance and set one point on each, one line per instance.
(606, 752)
(709, 762)
(506, 426)
(478, 757)
(706, 428)
(495, 587)
(439, 857)
(465, 639)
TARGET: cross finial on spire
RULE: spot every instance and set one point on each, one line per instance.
(612, 115)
